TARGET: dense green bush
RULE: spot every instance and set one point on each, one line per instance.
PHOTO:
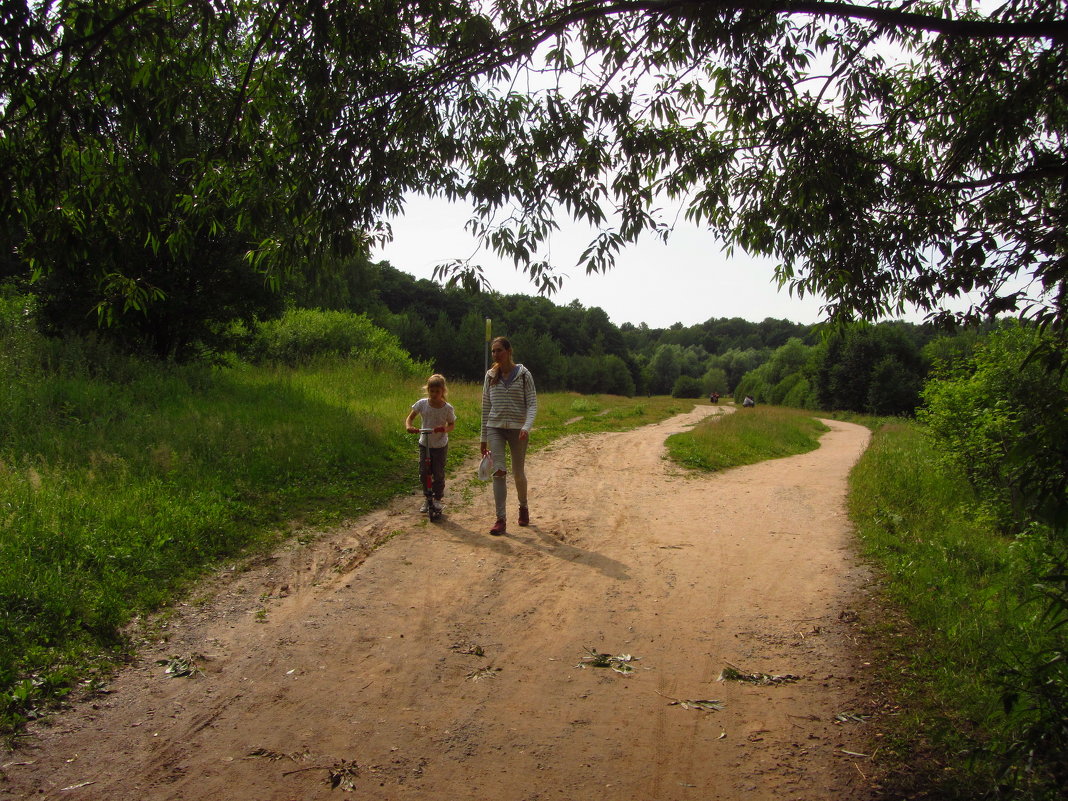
(798, 393)
(784, 379)
(664, 368)
(596, 375)
(302, 335)
(687, 387)
(999, 418)
(715, 380)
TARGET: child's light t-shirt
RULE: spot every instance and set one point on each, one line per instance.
(429, 417)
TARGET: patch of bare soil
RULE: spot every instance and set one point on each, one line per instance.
(400, 660)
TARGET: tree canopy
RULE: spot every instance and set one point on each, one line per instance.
(884, 154)
(161, 159)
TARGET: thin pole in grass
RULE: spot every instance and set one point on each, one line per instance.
(489, 338)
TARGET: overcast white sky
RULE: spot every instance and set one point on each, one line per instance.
(689, 280)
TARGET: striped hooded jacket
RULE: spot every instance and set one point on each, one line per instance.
(511, 405)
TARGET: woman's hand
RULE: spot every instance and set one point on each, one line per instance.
(483, 448)
(524, 434)
(412, 430)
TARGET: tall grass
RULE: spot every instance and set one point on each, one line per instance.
(745, 437)
(969, 617)
(115, 495)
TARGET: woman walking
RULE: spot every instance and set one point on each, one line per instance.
(509, 403)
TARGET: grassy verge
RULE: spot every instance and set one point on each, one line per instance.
(116, 493)
(959, 618)
(745, 437)
(564, 413)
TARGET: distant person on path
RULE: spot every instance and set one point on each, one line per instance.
(748, 402)
(714, 398)
(509, 404)
(437, 413)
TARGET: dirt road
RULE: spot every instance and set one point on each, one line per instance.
(449, 664)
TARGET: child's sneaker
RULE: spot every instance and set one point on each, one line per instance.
(438, 505)
(425, 507)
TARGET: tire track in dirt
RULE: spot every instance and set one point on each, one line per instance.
(446, 664)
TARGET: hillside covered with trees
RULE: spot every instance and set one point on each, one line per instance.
(858, 367)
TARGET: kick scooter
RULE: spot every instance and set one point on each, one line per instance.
(433, 510)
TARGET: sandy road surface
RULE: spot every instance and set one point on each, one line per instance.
(445, 664)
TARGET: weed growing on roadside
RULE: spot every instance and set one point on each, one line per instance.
(969, 617)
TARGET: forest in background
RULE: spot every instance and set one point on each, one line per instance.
(861, 367)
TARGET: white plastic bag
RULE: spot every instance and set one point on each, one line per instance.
(485, 467)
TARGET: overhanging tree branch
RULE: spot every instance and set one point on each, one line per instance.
(1056, 30)
(1033, 174)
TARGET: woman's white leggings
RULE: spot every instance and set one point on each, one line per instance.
(498, 439)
